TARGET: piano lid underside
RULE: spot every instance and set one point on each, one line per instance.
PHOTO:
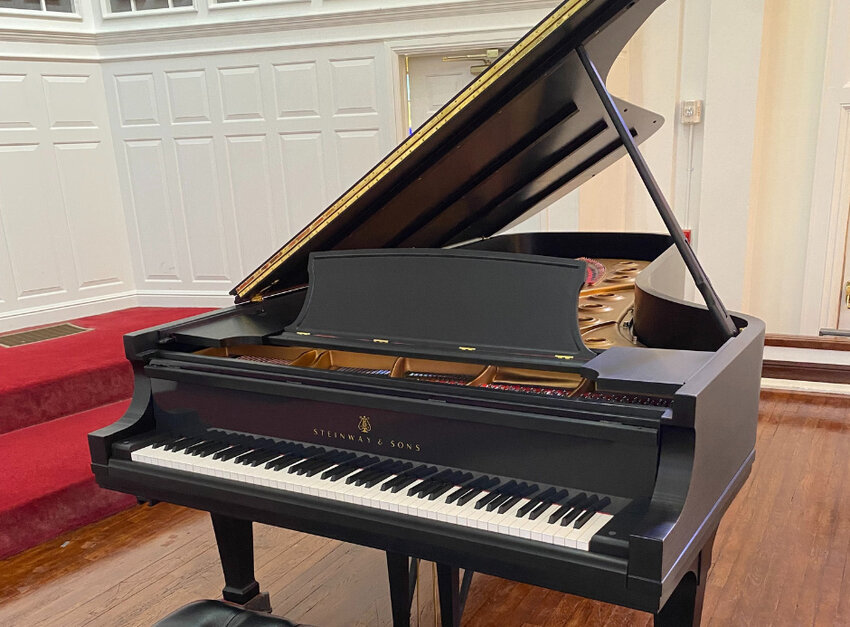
(491, 168)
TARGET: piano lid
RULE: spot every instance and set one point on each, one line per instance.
(525, 132)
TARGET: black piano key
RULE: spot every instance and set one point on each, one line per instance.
(183, 444)
(496, 493)
(366, 472)
(501, 498)
(578, 510)
(335, 474)
(504, 507)
(167, 446)
(190, 449)
(222, 452)
(507, 494)
(357, 464)
(477, 484)
(440, 491)
(423, 489)
(468, 496)
(559, 498)
(380, 478)
(231, 453)
(246, 458)
(566, 507)
(262, 459)
(384, 469)
(417, 473)
(283, 462)
(590, 511)
(408, 472)
(337, 458)
(308, 463)
(534, 502)
(529, 491)
(210, 449)
(486, 499)
(162, 440)
(393, 470)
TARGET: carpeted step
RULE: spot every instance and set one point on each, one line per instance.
(46, 380)
(48, 487)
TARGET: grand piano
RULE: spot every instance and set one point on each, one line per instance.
(544, 407)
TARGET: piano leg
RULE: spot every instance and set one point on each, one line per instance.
(684, 607)
(452, 596)
(235, 539)
(448, 584)
(402, 574)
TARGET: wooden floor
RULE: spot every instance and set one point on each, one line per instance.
(781, 556)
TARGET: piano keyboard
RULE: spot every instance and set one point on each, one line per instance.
(553, 516)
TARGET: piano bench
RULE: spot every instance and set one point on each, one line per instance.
(220, 614)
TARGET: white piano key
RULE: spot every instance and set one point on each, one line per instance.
(507, 523)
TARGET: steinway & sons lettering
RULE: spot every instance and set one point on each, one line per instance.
(367, 439)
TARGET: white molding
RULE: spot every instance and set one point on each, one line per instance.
(182, 298)
(61, 312)
(816, 387)
(42, 15)
(313, 21)
(49, 314)
(215, 5)
(44, 36)
(122, 15)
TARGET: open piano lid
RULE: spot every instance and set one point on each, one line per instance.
(527, 130)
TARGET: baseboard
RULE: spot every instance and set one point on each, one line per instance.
(182, 298)
(813, 342)
(48, 314)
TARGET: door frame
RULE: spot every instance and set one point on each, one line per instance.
(439, 44)
(830, 209)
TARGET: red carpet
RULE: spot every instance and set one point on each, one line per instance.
(43, 381)
(48, 487)
(47, 484)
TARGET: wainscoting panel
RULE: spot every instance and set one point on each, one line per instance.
(251, 148)
(62, 233)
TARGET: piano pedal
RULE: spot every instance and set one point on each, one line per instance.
(150, 502)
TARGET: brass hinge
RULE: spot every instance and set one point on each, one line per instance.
(847, 294)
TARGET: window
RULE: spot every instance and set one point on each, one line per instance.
(51, 6)
(137, 6)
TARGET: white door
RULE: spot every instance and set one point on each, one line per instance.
(828, 255)
(431, 82)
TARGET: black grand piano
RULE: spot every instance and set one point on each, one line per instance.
(544, 407)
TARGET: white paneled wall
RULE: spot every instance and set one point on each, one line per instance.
(222, 158)
(63, 242)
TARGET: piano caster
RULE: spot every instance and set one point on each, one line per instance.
(684, 607)
(235, 539)
(260, 603)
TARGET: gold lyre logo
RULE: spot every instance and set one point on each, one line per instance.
(364, 425)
